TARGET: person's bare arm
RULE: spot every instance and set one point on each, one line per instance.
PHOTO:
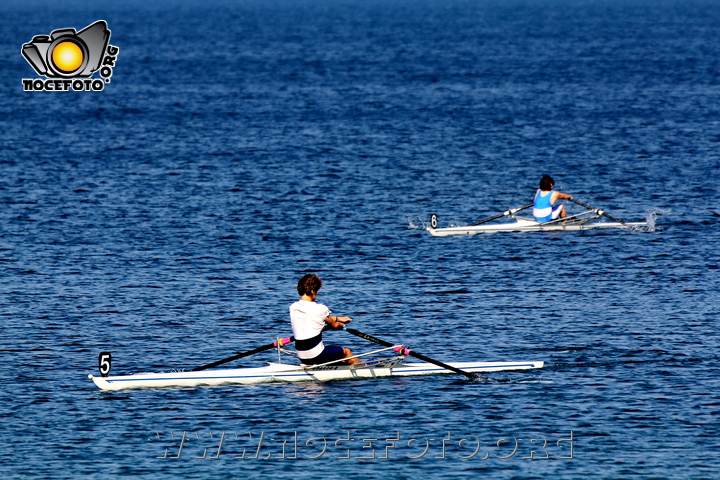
(336, 322)
(559, 196)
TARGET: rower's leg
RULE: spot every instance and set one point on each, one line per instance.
(348, 353)
(563, 214)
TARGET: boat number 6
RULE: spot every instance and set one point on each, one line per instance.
(104, 363)
(433, 221)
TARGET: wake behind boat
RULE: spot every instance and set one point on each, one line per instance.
(394, 366)
(585, 220)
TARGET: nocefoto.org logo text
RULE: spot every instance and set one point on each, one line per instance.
(68, 59)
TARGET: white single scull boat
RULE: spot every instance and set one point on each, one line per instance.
(530, 225)
(586, 220)
(279, 372)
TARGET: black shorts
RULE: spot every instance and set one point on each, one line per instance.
(331, 353)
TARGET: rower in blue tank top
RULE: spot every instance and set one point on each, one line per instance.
(545, 209)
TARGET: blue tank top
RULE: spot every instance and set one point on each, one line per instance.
(542, 209)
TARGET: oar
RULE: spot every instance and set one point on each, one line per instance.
(406, 351)
(283, 341)
(504, 214)
(600, 212)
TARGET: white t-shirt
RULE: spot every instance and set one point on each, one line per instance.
(308, 321)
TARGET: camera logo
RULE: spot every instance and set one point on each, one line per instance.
(68, 59)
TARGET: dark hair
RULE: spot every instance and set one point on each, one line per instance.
(546, 183)
(309, 283)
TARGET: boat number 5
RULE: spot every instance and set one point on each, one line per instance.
(104, 363)
(433, 221)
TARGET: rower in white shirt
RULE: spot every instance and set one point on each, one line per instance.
(309, 319)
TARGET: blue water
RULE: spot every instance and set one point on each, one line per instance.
(241, 144)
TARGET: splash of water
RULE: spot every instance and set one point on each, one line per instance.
(651, 218)
(416, 222)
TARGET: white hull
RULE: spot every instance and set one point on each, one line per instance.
(526, 225)
(275, 372)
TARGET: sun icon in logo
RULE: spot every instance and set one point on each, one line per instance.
(67, 56)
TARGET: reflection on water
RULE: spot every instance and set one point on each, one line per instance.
(307, 390)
